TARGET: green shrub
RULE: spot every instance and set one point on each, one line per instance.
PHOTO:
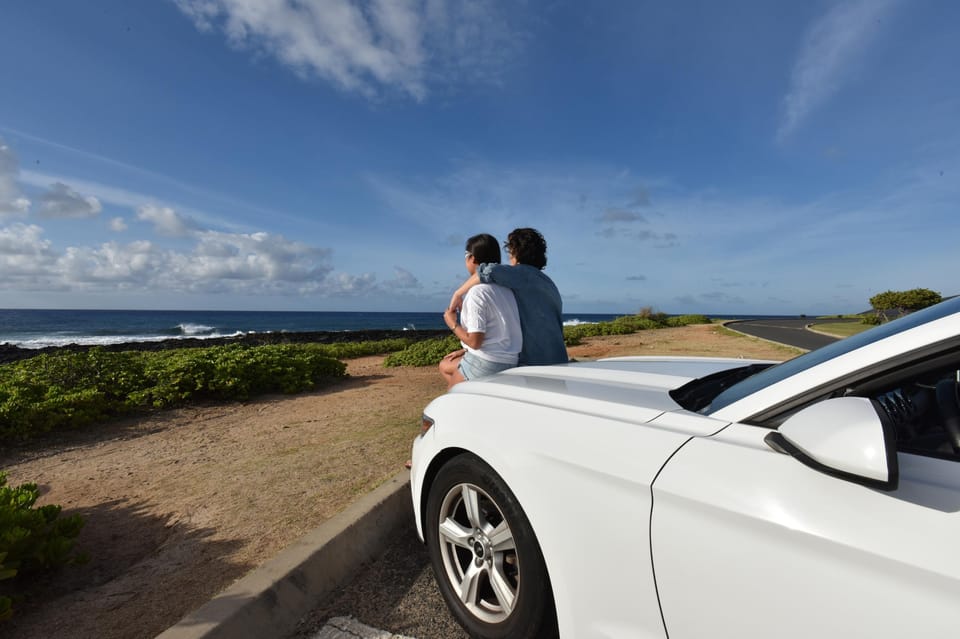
(349, 350)
(626, 324)
(648, 312)
(428, 352)
(687, 320)
(71, 390)
(233, 372)
(32, 540)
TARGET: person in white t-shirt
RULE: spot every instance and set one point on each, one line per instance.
(489, 326)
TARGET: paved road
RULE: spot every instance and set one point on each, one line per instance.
(397, 594)
(398, 597)
(786, 331)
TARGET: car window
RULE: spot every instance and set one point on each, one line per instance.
(924, 407)
(780, 372)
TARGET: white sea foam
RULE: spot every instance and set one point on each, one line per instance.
(194, 329)
(575, 322)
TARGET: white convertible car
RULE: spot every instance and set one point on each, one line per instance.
(693, 498)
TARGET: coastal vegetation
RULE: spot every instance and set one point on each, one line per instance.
(32, 540)
(627, 324)
(430, 352)
(75, 389)
(890, 304)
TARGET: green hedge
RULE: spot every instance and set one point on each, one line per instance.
(32, 540)
(573, 335)
(75, 389)
(430, 352)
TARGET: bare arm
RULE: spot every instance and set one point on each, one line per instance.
(457, 300)
(473, 340)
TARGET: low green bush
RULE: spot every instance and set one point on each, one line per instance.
(32, 540)
(350, 350)
(233, 372)
(428, 352)
(74, 389)
(687, 320)
(626, 324)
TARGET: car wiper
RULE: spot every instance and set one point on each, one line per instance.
(697, 394)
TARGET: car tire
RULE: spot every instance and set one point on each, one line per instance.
(480, 543)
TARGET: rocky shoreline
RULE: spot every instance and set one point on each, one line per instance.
(12, 353)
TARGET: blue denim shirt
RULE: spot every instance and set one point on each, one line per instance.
(541, 311)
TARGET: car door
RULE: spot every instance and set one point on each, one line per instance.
(748, 542)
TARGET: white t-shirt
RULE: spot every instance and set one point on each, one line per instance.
(492, 310)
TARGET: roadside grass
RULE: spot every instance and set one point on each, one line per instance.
(790, 351)
(841, 329)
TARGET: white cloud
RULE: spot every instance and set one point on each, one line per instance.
(23, 239)
(26, 259)
(165, 220)
(11, 199)
(344, 284)
(831, 49)
(246, 264)
(366, 47)
(61, 201)
(254, 257)
(120, 266)
(403, 279)
(118, 225)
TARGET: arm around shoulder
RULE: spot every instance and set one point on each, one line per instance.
(457, 300)
(497, 274)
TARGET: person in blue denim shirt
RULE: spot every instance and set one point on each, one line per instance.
(538, 300)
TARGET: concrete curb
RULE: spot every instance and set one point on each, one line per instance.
(269, 601)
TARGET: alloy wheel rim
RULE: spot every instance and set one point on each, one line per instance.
(479, 553)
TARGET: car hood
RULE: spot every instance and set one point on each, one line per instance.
(634, 389)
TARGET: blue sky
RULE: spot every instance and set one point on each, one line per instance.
(717, 157)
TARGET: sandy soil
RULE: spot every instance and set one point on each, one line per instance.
(181, 503)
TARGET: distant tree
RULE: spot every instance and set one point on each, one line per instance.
(917, 298)
(903, 301)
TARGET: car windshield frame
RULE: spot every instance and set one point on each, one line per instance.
(791, 367)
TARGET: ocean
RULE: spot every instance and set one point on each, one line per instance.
(40, 328)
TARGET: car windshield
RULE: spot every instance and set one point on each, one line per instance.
(774, 374)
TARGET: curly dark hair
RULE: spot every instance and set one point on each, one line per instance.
(527, 246)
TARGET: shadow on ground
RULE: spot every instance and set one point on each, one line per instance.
(136, 584)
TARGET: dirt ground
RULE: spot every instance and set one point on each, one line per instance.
(182, 503)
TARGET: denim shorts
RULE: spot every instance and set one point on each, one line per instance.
(473, 366)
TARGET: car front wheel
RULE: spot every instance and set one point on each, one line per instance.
(485, 557)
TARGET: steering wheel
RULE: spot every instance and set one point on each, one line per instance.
(948, 403)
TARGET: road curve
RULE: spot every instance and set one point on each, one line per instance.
(792, 332)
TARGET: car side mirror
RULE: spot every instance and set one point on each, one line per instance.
(847, 437)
